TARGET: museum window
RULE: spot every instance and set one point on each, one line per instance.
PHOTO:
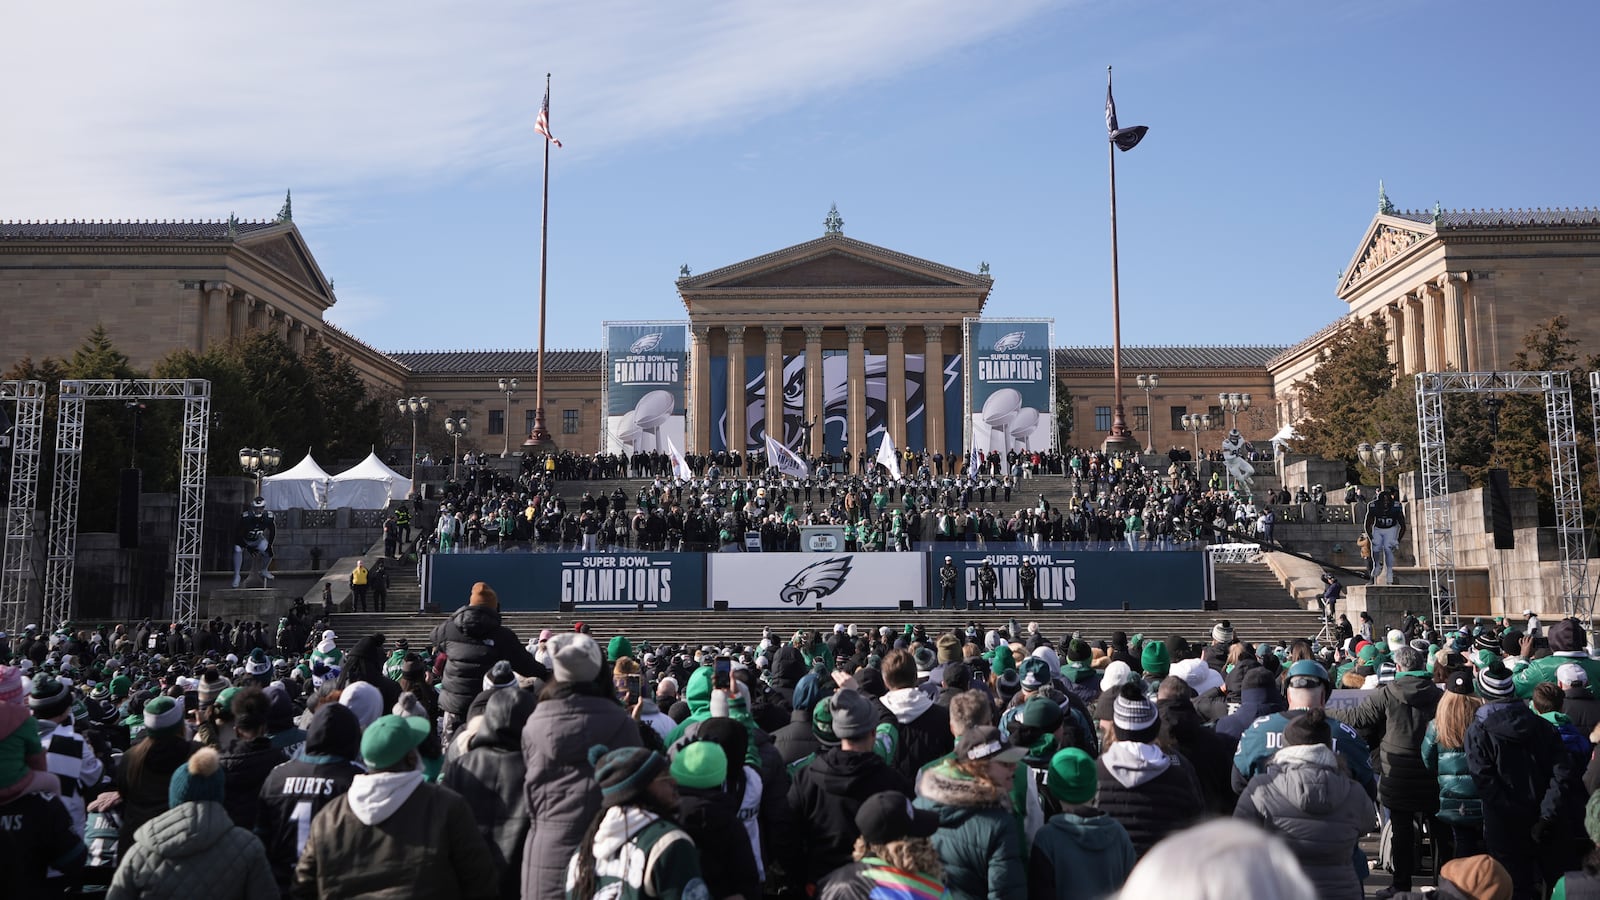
(497, 421)
(1141, 418)
(527, 422)
(1178, 412)
(569, 421)
(1102, 418)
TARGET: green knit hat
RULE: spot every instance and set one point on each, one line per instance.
(120, 686)
(1001, 660)
(1155, 660)
(702, 764)
(822, 724)
(619, 647)
(1072, 777)
(1591, 818)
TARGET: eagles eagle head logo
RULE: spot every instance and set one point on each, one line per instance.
(1010, 342)
(645, 344)
(816, 581)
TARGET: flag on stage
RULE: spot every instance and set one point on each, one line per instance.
(680, 466)
(542, 123)
(888, 458)
(785, 461)
(977, 460)
(1124, 138)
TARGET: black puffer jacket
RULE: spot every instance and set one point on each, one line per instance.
(796, 740)
(1210, 753)
(1523, 771)
(246, 765)
(711, 817)
(489, 776)
(824, 798)
(473, 641)
(1394, 718)
(1150, 792)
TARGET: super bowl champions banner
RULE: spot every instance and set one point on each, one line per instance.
(645, 402)
(1011, 390)
(542, 582)
(802, 580)
(1087, 579)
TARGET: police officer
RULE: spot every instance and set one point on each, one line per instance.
(987, 582)
(948, 576)
(1026, 576)
(1385, 526)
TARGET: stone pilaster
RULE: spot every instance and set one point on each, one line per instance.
(814, 396)
(1452, 288)
(700, 389)
(737, 438)
(933, 386)
(774, 405)
(1433, 326)
(1394, 313)
(856, 439)
(896, 384)
(1415, 358)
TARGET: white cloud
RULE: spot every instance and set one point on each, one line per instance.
(177, 109)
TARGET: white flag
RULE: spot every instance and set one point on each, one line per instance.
(977, 460)
(889, 458)
(680, 466)
(785, 461)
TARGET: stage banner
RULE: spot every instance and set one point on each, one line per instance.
(1088, 579)
(541, 582)
(1010, 399)
(801, 580)
(793, 399)
(644, 398)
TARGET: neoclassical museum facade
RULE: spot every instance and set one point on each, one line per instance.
(853, 331)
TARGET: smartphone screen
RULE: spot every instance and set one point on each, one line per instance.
(722, 674)
(634, 687)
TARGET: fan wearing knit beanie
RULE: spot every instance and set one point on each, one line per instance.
(710, 815)
(51, 702)
(634, 782)
(1150, 792)
(195, 843)
(1081, 851)
(1509, 748)
(1568, 646)
(473, 639)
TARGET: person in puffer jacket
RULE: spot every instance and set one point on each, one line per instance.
(490, 775)
(1444, 753)
(978, 841)
(1306, 798)
(195, 843)
(1150, 791)
(474, 640)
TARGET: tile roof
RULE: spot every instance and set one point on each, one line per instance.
(495, 362)
(1247, 357)
(1318, 337)
(1504, 218)
(165, 231)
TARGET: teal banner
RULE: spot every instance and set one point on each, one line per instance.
(1088, 579)
(542, 582)
(646, 368)
(1010, 396)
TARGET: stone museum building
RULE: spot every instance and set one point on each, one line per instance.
(1454, 289)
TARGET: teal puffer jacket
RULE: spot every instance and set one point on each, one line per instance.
(190, 849)
(1458, 795)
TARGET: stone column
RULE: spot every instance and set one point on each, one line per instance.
(1452, 287)
(775, 382)
(215, 297)
(933, 386)
(814, 388)
(1411, 327)
(297, 336)
(255, 313)
(897, 385)
(700, 390)
(1395, 315)
(736, 408)
(1433, 326)
(856, 440)
(239, 314)
(284, 323)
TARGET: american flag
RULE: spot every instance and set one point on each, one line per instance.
(542, 123)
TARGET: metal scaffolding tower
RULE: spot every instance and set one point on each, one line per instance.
(1564, 478)
(196, 396)
(26, 434)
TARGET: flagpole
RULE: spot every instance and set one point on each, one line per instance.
(1120, 437)
(539, 438)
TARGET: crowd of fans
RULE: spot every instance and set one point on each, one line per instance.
(1115, 502)
(999, 762)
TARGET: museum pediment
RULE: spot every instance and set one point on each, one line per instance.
(834, 261)
(284, 251)
(1388, 239)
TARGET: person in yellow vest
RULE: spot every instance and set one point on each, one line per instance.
(358, 585)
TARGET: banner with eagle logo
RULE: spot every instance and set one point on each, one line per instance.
(1011, 392)
(646, 365)
(802, 580)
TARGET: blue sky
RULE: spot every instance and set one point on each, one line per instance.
(704, 133)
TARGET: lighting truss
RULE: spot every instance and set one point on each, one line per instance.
(196, 396)
(1564, 477)
(26, 434)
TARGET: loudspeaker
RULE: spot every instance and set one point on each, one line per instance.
(568, 606)
(719, 605)
(1036, 604)
(128, 488)
(907, 605)
(1500, 510)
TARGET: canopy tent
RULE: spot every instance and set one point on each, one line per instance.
(368, 485)
(303, 487)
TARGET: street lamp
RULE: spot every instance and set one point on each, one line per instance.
(260, 463)
(413, 408)
(1149, 383)
(1234, 403)
(456, 428)
(508, 386)
(1194, 423)
(1382, 455)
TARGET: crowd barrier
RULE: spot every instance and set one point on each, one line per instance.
(1066, 579)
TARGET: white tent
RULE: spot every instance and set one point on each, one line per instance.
(303, 487)
(368, 485)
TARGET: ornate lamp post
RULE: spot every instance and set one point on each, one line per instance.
(1234, 403)
(1382, 455)
(456, 428)
(508, 386)
(414, 408)
(260, 463)
(1194, 423)
(1149, 383)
